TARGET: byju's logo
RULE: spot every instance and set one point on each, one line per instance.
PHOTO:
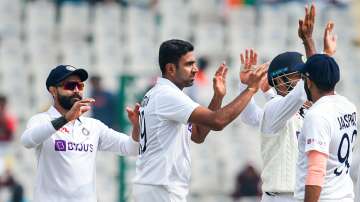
(60, 145)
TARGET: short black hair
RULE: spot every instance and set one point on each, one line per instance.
(171, 51)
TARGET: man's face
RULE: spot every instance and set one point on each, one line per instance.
(284, 84)
(69, 91)
(186, 70)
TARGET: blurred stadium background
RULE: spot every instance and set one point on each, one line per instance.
(119, 41)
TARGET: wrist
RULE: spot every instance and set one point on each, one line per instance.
(218, 96)
(328, 52)
(307, 39)
(253, 90)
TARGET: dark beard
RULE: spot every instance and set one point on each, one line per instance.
(67, 102)
(307, 91)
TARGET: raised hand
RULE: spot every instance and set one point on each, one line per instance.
(247, 62)
(329, 39)
(219, 81)
(306, 25)
(79, 108)
(255, 76)
(133, 116)
(264, 84)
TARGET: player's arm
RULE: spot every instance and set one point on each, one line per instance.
(305, 30)
(200, 132)
(329, 39)
(252, 113)
(39, 128)
(317, 130)
(113, 141)
(217, 120)
(280, 109)
(315, 175)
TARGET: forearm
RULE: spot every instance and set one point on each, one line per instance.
(135, 133)
(280, 109)
(315, 177)
(309, 46)
(312, 193)
(228, 113)
(36, 135)
(199, 132)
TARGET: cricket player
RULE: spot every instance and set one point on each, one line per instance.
(169, 119)
(280, 121)
(327, 138)
(66, 143)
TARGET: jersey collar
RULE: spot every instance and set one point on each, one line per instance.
(164, 81)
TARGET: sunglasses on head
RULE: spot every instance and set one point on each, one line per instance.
(71, 85)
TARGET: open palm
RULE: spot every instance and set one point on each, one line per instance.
(219, 80)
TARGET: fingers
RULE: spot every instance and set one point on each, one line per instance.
(85, 108)
(312, 12)
(301, 22)
(242, 59)
(136, 109)
(255, 58)
(220, 70)
(225, 73)
(246, 56)
(306, 14)
(87, 100)
(249, 59)
(262, 69)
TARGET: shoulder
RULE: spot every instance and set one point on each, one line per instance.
(347, 102)
(316, 117)
(43, 116)
(91, 121)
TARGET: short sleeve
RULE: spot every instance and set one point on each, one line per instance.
(175, 105)
(316, 130)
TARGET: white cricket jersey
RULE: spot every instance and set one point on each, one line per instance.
(280, 122)
(165, 137)
(330, 128)
(66, 158)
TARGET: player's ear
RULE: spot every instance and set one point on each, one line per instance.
(52, 91)
(170, 69)
(309, 83)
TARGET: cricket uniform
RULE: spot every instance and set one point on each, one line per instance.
(330, 128)
(280, 122)
(66, 157)
(163, 168)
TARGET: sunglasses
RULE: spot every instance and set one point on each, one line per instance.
(71, 85)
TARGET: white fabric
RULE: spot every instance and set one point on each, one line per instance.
(154, 193)
(357, 185)
(66, 158)
(278, 198)
(279, 125)
(330, 128)
(165, 112)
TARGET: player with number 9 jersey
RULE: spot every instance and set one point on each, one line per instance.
(330, 130)
(333, 133)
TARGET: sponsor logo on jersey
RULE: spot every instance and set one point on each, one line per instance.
(62, 145)
(64, 130)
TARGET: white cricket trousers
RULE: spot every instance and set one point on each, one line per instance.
(278, 198)
(154, 193)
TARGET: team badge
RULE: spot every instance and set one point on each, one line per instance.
(85, 131)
